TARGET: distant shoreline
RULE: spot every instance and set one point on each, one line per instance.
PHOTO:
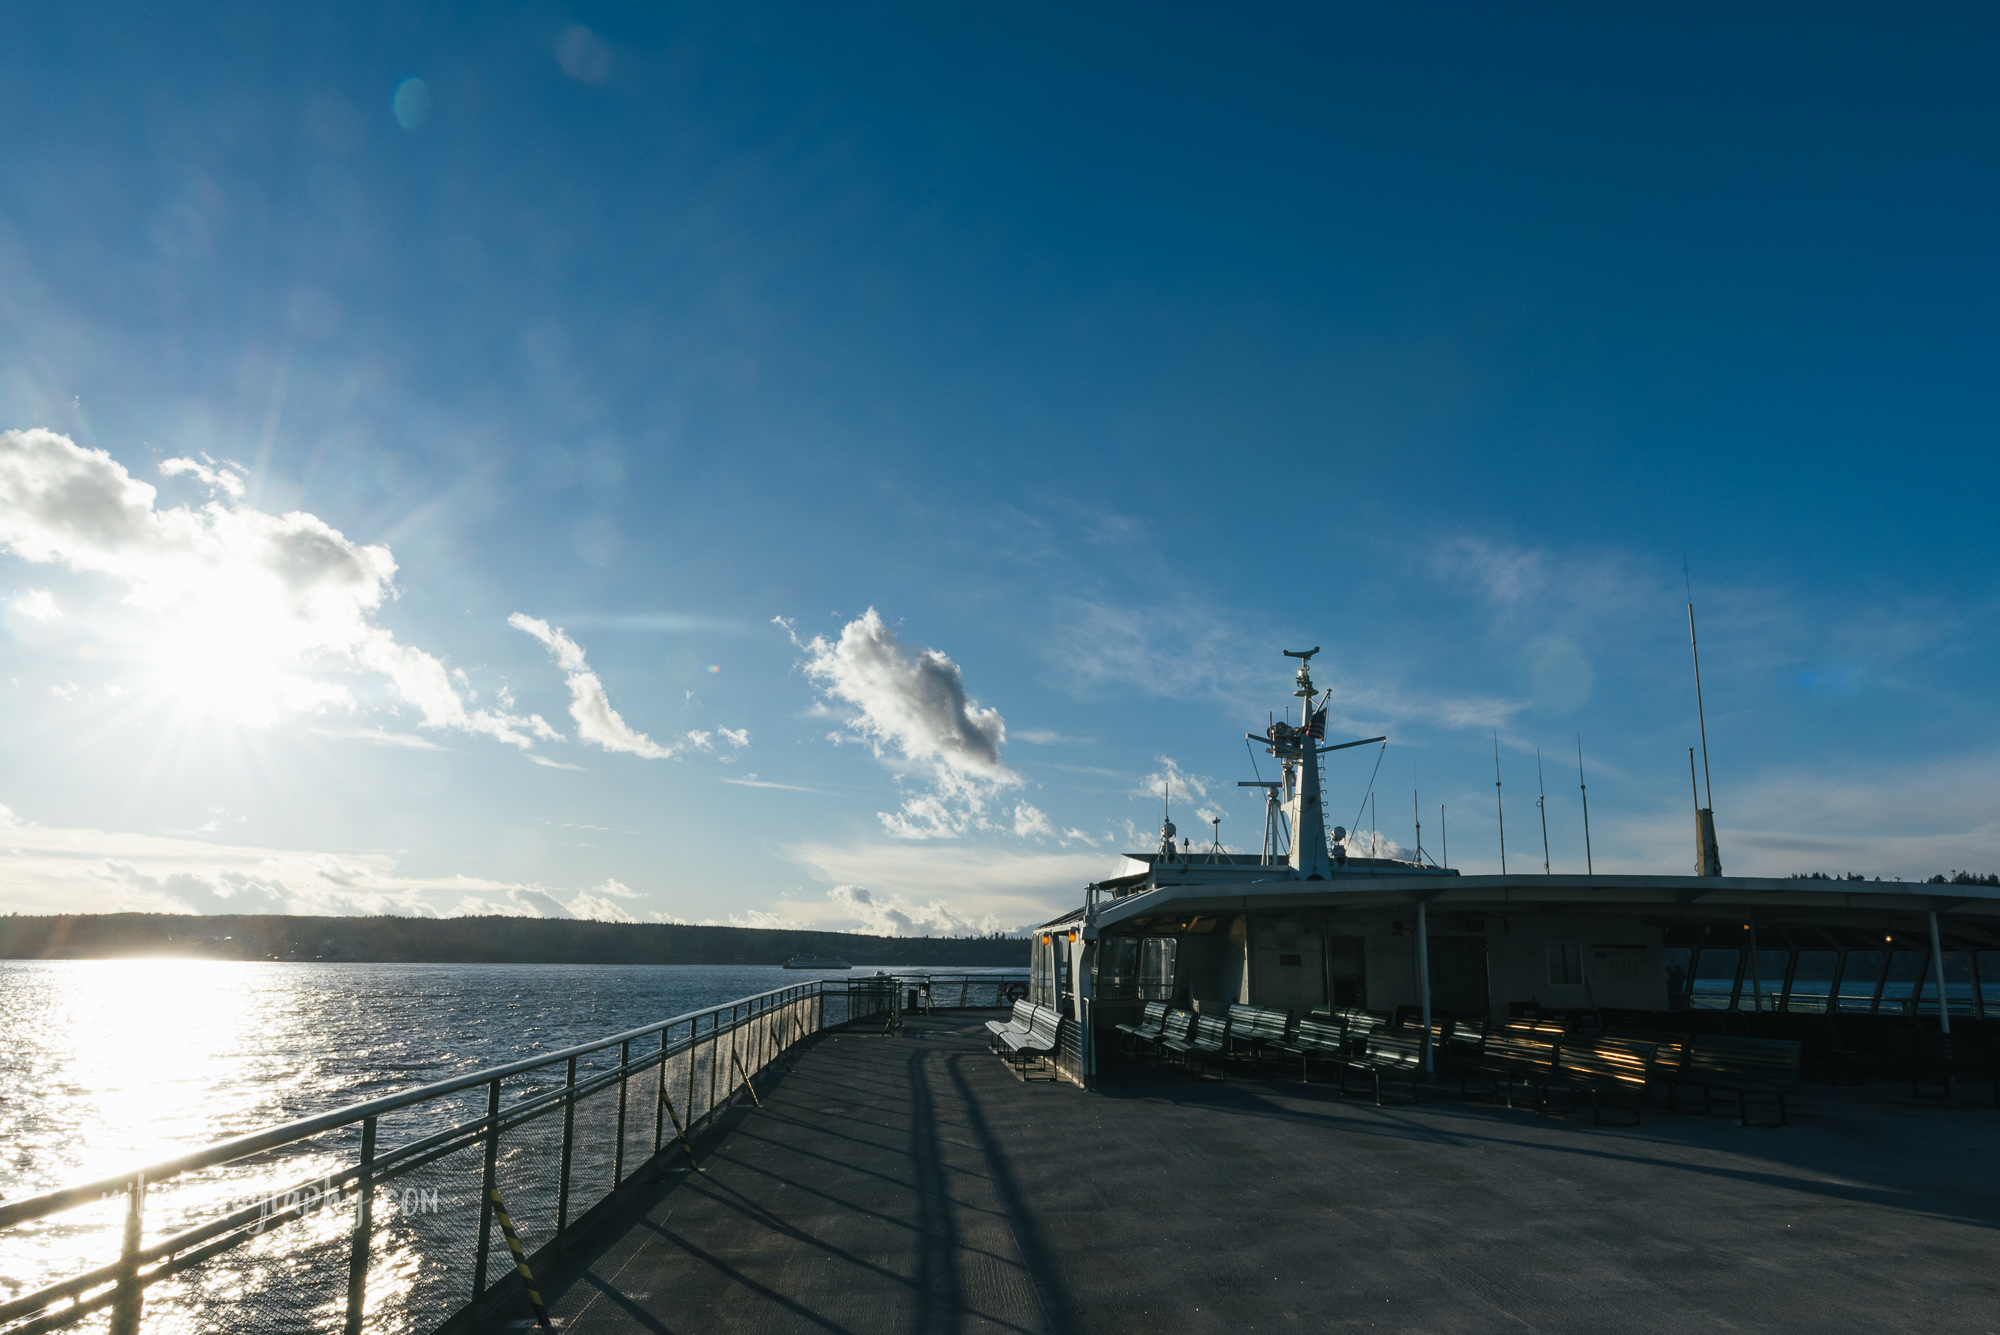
(481, 940)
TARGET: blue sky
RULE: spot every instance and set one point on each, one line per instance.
(551, 425)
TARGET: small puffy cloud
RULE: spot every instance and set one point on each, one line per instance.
(1029, 823)
(597, 908)
(914, 703)
(224, 477)
(1171, 781)
(887, 915)
(249, 610)
(539, 902)
(596, 721)
(38, 605)
(616, 888)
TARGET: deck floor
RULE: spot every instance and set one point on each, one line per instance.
(912, 1184)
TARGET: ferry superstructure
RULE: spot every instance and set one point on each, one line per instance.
(1301, 926)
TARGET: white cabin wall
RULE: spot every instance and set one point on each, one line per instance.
(1518, 962)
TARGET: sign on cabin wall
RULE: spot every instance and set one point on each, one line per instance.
(1618, 964)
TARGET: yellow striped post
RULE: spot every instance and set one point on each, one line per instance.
(746, 1079)
(520, 1259)
(679, 1130)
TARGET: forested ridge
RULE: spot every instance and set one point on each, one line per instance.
(483, 940)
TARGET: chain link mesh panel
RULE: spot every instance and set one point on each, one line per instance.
(425, 1243)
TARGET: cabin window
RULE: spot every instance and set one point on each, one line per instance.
(1565, 965)
(1042, 973)
(1156, 968)
(1677, 959)
(1957, 985)
(1117, 968)
(1989, 983)
(1812, 981)
(1858, 982)
(1714, 978)
(1764, 970)
(1899, 984)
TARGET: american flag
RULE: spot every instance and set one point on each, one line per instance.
(1317, 728)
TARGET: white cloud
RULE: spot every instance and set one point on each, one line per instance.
(597, 908)
(38, 605)
(752, 781)
(596, 721)
(915, 703)
(1030, 823)
(1010, 888)
(223, 476)
(382, 737)
(54, 870)
(1173, 783)
(540, 902)
(246, 609)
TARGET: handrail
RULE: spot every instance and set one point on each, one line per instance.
(771, 1018)
(239, 1147)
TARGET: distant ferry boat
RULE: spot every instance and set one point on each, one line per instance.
(815, 962)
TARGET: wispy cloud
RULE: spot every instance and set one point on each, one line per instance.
(752, 781)
(596, 721)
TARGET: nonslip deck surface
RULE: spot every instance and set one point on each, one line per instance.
(912, 1184)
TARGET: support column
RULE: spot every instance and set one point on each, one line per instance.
(1944, 1002)
(1424, 977)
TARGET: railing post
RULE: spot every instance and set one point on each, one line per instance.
(660, 1104)
(692, 1026)
(364, 1223)
(126, 1307)
(486, 1188)
(714, 1040)
(618, 1150)
(568, 1146)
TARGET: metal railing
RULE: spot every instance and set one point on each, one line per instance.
(392, 1229)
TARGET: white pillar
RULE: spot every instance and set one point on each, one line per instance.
(1937, 970)
(1424, 977)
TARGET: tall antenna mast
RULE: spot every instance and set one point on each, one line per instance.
(1444, 835)
(1417, 815)
(1497, 806)
(1542, 805)
(1707, 857)
(1701, 716)
(1587, 867)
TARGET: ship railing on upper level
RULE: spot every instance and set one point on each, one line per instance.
(381, 1216)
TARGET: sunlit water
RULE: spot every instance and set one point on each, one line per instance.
(110, 1065)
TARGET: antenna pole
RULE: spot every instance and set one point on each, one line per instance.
(1417, 814)
(1542, 805)
(1691, 783)
(1587, 867)
(1498, 807)
(1701, 716)
(1444, 835)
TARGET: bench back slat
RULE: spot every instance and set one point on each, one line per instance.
(1624, 1060)
(1248, 1022)
(1320, 1034)
(1774, 1059)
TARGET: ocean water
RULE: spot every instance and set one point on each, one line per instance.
(110, 1065)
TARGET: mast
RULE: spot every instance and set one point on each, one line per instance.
(1498, 808)
(1309, 857)
(1587, 867)
(1707, 855)
(1542, 805)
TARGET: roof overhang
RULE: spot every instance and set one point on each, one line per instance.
(1691, 897)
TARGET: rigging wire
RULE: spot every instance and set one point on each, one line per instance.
(1371, 785)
